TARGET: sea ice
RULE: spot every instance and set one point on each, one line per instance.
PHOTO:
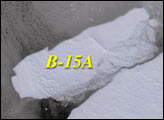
(133, 93)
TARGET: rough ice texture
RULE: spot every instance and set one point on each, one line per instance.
(155, 10)
(123, 43)
(134, 93)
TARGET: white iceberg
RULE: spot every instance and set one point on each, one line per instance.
(122, 43)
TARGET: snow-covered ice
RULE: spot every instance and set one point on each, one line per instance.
(134, 93)
(122, 43)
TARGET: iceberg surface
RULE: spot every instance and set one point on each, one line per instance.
(123, 43)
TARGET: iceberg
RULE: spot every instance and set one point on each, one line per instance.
(123, 43)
